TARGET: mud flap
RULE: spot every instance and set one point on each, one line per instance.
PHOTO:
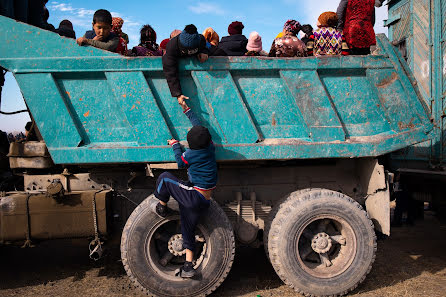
(374, 183)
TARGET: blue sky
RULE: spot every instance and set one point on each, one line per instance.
(265, 17)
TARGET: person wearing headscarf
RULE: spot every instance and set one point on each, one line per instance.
(117, 29)
(147, 45)
(163, 45)
(289, 45)
(356, 19)
(327, 40)
(66, 29)
(212, 41)
(188, 44)
(235, 43)
(117, 24)
(174, 33)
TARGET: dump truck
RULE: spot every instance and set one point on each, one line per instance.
(298, 144)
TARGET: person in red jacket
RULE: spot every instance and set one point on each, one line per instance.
(356, 19)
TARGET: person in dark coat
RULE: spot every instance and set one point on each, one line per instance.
(356, 19)
(187, 44)
(235, 43)
(66, 29)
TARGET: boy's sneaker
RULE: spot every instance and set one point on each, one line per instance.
(156, 207)
(162, 210)
(187, 271)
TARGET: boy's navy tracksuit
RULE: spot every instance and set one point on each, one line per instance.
(202, 171)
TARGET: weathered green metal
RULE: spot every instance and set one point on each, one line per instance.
(92, 106)
(419, 27)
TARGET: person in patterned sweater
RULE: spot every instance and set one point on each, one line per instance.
(327, 40)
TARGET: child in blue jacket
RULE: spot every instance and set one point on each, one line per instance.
(193, 196)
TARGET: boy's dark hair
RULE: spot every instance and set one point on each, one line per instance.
(102, 16)
(147, 34)
(198, 138)
(307, 29)
(66, 24)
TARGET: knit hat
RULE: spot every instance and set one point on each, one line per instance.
(198, 138)
(292, 26)
(190, 38)
(211, 36)
(163, 43)
(328, 19)
(254, 42)
(235, 28)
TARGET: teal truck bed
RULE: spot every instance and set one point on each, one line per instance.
(93, 106)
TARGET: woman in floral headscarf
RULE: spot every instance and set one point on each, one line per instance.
(117, 29)
(289, 45)
(148, 45)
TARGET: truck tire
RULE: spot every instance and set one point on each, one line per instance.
(274, 211)
(321, 243)
(150, 263)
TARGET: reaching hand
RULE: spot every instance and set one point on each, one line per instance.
(184, 105)
(202, 58)
(171, 141)
(81, 40)
(181, 99)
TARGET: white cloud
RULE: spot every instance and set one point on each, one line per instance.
(211, 8)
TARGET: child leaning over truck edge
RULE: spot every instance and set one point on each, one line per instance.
(101, 35)
(187, 44)
(193, 196)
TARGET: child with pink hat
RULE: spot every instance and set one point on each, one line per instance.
(254, 45)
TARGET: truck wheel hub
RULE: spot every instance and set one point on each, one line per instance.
(175, 245)
(321, 243)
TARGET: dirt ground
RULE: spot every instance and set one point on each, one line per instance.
(412, 262)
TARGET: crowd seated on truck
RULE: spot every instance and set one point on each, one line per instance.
(348, 31)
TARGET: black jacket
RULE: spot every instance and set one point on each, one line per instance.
(216, 51)
(174, 51)
(234, 45)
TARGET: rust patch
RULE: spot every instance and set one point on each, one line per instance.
(124, 95)
(273, 120)
(133, 107)
(87, 114)
(68, 93)
(80, 99)
(403, 126)
(138, 102)
(387, 81)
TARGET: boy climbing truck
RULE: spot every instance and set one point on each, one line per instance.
(296, 141)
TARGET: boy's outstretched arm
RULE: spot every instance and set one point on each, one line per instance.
(195, 121)
(176, 146)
